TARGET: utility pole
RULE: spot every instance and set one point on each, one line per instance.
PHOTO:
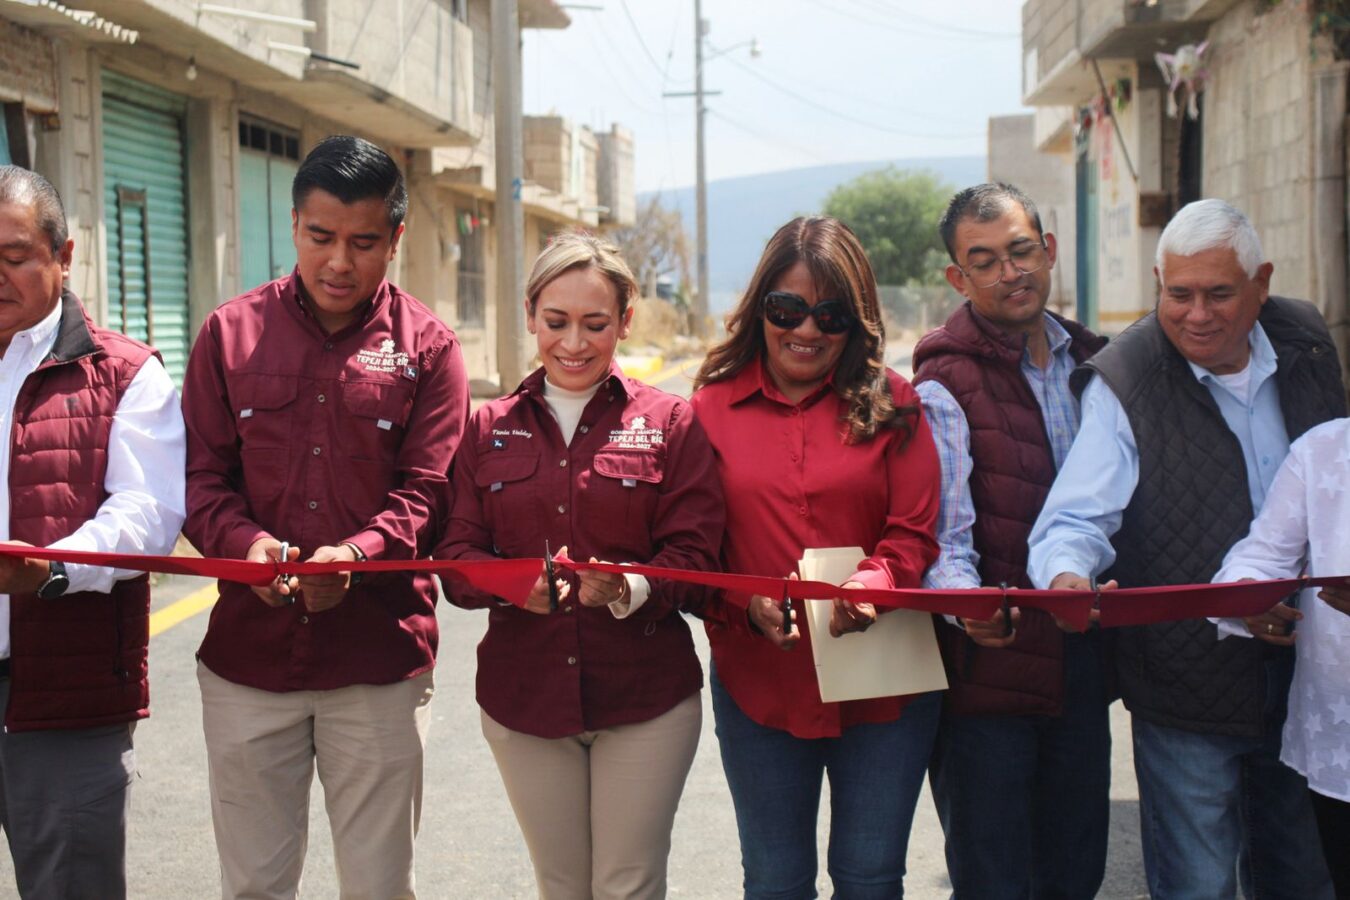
(510, 218)
(700, 178)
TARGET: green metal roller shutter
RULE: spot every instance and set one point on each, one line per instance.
(145, 205)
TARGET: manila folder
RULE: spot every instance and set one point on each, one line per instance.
(897, 655)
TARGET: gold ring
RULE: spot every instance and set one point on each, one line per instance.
(1270, 629)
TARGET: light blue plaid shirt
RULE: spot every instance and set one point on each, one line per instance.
(957, 565)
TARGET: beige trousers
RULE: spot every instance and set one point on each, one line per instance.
(597, 808)
(262, 748)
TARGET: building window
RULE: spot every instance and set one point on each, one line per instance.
(14, 136)
(472, 281)
(269, 157)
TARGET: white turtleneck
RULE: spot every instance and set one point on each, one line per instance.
(567, 407)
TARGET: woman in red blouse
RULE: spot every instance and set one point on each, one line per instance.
(818, 445)
(590, 701)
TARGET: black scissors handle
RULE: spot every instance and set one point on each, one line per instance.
(787, 611)
(553, 598)
(1007, 611)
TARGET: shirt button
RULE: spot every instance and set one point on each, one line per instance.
(312, 504)
(567, 608)
(584, 428)
(304, 620)
(322, 398)
(796, 411)
(802, 510)
(317, 451)
(562, 463)
(571, 660)
(328, 345)
(562, 508)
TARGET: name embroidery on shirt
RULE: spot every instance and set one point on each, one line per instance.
(513, 432)
(637, 435)
(385, 359)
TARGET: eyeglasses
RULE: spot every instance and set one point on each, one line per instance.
(986, 270)
(789, 311)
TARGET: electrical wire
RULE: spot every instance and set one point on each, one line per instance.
(807, 101)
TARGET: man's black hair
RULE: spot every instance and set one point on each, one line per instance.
(352, 169)
(20, 185)
(984, 203)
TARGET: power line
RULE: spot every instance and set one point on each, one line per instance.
(765, 139)
(637, 33)
(936, 30)
(807, 101)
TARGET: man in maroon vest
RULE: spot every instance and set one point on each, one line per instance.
(1021, 768)
(90, 417)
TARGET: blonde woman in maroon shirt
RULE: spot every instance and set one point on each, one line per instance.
(818, 445)
(590, 700)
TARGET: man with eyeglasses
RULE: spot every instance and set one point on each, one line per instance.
(1187, 416)
(1021, 770)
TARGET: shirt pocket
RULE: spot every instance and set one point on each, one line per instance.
(508, 492)
(264, 414)
(621, 500)
(378, 413)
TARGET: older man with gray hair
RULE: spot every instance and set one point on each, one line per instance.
(92, 460)
(1185, 419)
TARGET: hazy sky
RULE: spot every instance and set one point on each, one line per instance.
(837, 81)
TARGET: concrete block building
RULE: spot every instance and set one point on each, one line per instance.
(1269, 137)
(173, 128)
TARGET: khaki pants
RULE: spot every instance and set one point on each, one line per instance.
(596, 809)
(262, 748)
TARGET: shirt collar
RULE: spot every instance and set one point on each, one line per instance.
(42, 336)
(1056, 335)
(1262, 362)
(534, 382)
(753, 379)
(296, 289)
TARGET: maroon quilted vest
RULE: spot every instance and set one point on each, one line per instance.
(77, 661)
(1012, 470)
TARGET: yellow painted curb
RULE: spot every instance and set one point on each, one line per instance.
(180, 611)
(643, 367)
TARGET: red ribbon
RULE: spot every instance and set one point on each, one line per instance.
(512, 580)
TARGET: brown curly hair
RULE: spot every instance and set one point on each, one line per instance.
(835, 258)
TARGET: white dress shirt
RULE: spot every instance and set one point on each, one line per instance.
(1097, 481)
(1304, 522)
(147, 456)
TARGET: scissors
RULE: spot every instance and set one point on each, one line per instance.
(552, 581)
(787, 611)
(282, 558)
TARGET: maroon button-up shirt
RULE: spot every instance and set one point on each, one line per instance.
(637, 484)
(792, 483)
(318, 439)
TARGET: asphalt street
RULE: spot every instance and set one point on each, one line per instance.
(469, 846)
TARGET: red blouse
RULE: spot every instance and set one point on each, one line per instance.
(792, 482)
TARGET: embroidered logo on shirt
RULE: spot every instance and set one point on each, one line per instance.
(514, 432)
(385, 359)
(499, 443)
(636, 435)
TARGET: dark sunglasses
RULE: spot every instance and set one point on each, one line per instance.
(789, 310)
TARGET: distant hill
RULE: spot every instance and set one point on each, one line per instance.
(743, 213)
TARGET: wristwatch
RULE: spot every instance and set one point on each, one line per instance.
(57, 583)
(360, 557)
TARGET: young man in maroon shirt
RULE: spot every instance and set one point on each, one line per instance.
(323, 410)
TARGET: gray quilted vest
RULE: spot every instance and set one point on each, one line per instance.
(1192, 504)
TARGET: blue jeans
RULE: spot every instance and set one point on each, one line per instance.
(1216, 809)
(1024, 800)
(876, 772)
